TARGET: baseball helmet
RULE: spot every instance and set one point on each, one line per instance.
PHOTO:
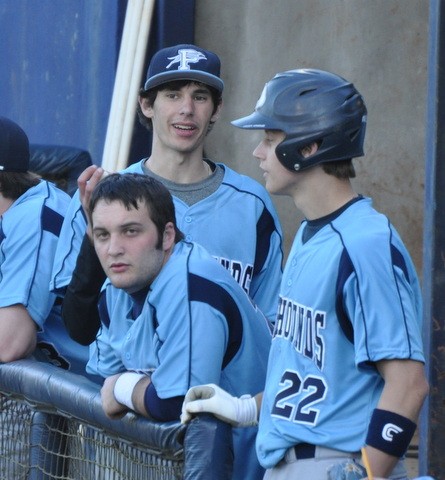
(14, 147)
(311, 105)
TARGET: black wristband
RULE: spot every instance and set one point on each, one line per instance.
(390, 432)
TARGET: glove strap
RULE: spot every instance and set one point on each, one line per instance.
(247, 414)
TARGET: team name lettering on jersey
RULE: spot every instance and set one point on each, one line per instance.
(241, 273)
(302, 326)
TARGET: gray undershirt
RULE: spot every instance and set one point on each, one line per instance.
(191, 193)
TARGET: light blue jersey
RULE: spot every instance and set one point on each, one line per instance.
(349, 298)
(237, 224)
(197, 326)
(29, 230)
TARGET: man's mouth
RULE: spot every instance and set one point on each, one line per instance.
(118, 267)
(185, 128)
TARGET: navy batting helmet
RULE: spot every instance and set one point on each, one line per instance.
(311, 106)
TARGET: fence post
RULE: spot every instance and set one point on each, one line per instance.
(47, 447)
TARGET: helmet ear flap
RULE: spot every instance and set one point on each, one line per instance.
(289, 154)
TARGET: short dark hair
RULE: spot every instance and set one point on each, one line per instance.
(132, 188)
(150, 96)
(14, 184)
(340, 168)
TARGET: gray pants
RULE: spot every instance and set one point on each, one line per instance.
(290, 468)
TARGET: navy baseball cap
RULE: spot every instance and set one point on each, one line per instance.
(184, 62)
(14, 147)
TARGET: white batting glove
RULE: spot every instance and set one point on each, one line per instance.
(239, 412)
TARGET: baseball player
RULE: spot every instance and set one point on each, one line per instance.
(31, 212)
(346, 366)
(171, 316)
(229, 214)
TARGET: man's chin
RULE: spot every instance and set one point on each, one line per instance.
(121, 283)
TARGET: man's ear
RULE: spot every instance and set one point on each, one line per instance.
(309, 150)
(168, 239)
(146, 108)
(217, 113)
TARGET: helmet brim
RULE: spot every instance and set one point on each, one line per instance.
(255, 121)
(193, 75)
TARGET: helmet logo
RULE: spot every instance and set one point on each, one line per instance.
(262, 98)
(185, 57)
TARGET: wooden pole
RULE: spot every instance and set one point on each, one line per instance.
(134, 84)
(123, 104)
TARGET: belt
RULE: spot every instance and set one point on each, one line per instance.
(303, 451)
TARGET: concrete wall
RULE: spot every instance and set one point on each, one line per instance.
(380, 45)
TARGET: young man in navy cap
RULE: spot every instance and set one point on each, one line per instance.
(230, 214)
(31, 215)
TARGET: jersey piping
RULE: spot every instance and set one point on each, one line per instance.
(346, 269)
(203, 290)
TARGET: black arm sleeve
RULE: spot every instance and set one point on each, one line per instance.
(79, 308)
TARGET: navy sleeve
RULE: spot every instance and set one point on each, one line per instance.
(162, 409)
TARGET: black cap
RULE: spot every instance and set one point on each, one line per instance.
(184, 62)
(14, 147)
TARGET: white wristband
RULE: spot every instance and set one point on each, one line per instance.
(124, 386)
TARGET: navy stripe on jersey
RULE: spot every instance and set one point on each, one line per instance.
(265, 226)
(204, 290)
(138, 301)
(84, 215)
(103, 310)
(264, 230)
(399, 261)
(51, 220)
(345, 270)
(2, 235)
(73, 222)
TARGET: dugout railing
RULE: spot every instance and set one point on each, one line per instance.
(53, 428)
